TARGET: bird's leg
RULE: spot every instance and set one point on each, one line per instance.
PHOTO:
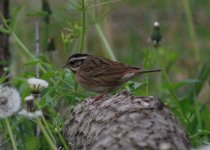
(101, 96)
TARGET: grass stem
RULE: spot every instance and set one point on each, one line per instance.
(48, 129)
(108, 49)
(26, 50)
(47, 137)
(63, 141)
(10, 133)
(83, 20)
(191, 28)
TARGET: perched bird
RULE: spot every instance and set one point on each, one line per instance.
(156, 36)
(100, 74)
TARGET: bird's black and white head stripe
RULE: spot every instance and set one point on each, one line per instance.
(76, 60)
(77, 57)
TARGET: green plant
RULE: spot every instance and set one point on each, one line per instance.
(77, 26)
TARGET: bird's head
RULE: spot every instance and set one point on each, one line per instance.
(75, 61)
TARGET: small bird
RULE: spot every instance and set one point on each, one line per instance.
(101, 75)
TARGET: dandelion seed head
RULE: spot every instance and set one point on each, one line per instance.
(156, 24)
(10, 101)
(29, 98)
(3, 100)
(37, 85)
(30, 115)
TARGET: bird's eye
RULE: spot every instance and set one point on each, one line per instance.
(77, 64)
(71, 62)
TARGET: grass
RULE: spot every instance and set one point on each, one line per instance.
(83, 21)
(180, 86)
(7, 124)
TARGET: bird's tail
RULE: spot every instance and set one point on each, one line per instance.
(141, 71)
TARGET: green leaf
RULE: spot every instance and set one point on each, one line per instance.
(42, 103)
(32, 63)
(49, 100)
(3, 30)
(3, 78)
(48, 75)
(15, 18)
(178, 85)
(203, 76)
(32, 143)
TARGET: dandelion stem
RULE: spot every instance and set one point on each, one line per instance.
(106, 44)
(52, 145)
(10, 133)
(48, 129)
(63, 141)
(37, 47)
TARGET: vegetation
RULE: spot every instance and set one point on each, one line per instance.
(117, 30)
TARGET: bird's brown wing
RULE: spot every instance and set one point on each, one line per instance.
(97, 66)
(99, 74)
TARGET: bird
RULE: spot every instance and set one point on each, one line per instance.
(101, 75)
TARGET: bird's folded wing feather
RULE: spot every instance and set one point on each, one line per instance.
(103, 67)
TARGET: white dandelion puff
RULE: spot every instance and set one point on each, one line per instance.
(29, 98)
(37, 85)
(10, 101)
(30, 115)
(156, 24)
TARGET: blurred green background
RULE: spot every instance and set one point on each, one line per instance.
(184, 54)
